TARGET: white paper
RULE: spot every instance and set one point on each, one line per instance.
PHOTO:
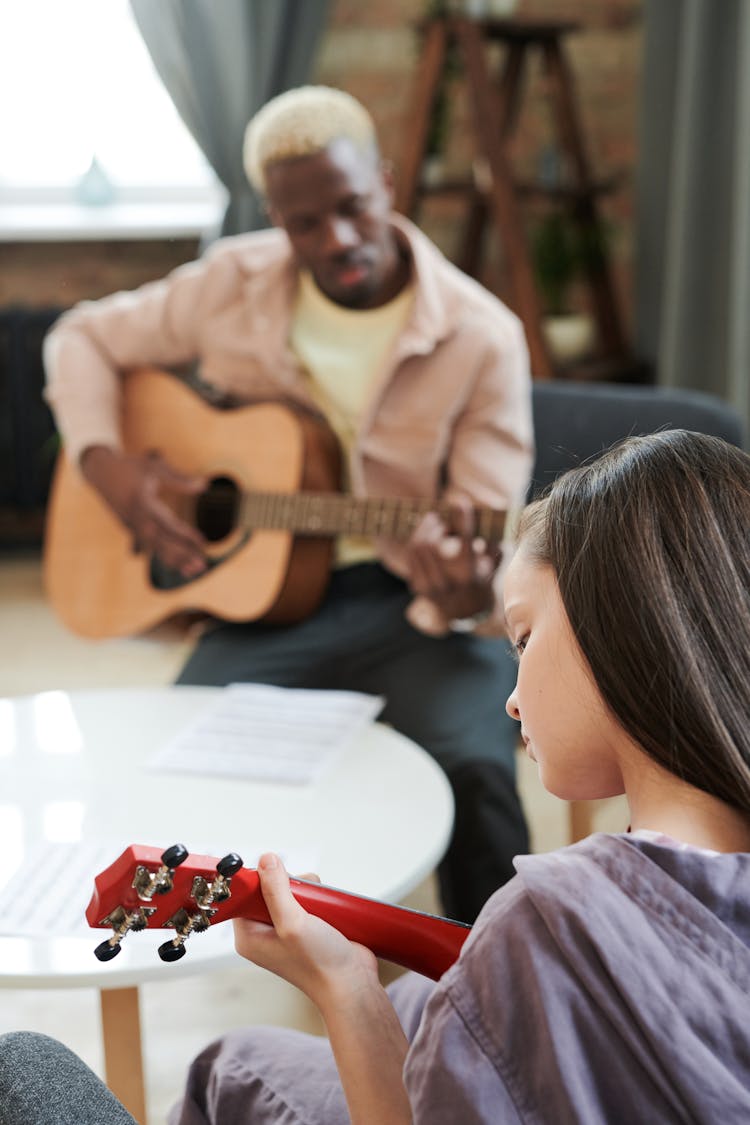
(48, 895)
(263, 733)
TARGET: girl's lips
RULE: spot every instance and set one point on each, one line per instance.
(527, 746)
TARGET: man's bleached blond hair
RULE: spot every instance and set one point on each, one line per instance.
(302, 122)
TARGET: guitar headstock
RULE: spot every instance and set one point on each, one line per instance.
(149, 888)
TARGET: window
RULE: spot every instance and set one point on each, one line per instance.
(77, 83)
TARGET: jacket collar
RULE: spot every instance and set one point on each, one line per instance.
(271, 284)
(432, 317)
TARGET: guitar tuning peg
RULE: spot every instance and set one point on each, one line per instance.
(123, 922)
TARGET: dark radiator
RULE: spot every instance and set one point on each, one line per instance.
(28, 442)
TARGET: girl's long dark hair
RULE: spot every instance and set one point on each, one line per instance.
(651, 547)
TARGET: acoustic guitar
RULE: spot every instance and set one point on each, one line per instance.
(146, 888)
(270, 514)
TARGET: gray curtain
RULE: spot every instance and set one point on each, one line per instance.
(221, 60)
(693, 227)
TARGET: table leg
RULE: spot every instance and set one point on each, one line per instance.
(123, 1058)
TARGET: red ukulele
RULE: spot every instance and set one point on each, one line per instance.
(147, 888)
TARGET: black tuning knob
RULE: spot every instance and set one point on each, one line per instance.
(171, 952)
(229, 865)
(105, 951)
(175, 855)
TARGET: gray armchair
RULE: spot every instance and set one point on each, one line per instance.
(575, 421)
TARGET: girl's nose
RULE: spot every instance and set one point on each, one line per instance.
(512, 707)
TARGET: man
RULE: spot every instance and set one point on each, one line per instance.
(347, 310)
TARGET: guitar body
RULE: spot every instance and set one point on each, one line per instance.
(100, 588)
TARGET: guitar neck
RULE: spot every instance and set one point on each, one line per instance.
(333, 513)
(421, 942)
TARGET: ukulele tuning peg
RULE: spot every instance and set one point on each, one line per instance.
(106, 950)
(148, 883)
(184, 925)
(123, 922)
(172, 950)
(174, 856)
(205, 893)
(226, 868)
(229, 865)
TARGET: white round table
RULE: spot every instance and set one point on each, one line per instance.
(74, 769)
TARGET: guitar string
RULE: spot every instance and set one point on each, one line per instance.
(330, 513)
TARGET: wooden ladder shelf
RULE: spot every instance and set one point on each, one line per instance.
(493, 193)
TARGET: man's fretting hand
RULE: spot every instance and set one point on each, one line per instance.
(133, 486)
(451, 567)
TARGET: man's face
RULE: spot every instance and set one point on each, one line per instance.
(334, 206)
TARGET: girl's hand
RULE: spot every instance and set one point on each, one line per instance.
(341, 978)
(301, 948)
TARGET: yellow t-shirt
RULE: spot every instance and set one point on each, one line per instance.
(343, 352)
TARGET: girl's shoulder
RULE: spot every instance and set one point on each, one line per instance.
(587, 952)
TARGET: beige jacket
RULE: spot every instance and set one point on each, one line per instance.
(450, 412)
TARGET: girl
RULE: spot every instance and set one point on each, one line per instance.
(609, 981)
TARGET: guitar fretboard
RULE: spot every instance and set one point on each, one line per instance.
(322, 514)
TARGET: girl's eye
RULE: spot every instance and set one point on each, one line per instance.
(518, 647)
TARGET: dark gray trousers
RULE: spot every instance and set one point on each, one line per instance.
(43, 1083)
(447, 694)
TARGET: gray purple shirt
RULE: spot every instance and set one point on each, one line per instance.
(609, 982)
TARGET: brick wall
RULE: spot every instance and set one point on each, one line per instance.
(45, 274)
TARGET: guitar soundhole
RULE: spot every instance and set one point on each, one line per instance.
(216, 509)
(215, 516)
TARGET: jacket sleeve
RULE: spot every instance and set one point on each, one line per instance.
(156, 325)
(448, 1079)
(457, 1066)
(492, 447)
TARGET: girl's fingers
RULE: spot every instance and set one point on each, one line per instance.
(284, 909)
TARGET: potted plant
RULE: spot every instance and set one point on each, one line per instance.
(561, 251)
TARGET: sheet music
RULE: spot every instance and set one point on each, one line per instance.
(263, 733)
(48, 895)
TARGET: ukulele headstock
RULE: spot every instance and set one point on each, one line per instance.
(148, 888)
